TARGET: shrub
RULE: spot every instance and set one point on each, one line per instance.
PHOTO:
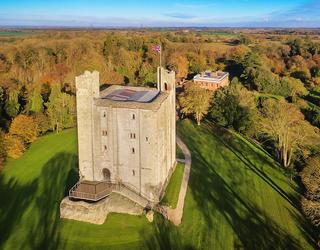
(14, 146)
(25, 128)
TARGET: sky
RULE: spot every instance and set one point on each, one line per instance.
(165, 13)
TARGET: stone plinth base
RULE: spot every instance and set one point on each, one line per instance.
(96, 212)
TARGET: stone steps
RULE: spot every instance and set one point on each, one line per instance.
(132, 195)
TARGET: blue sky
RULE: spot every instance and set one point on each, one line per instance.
(148, 13)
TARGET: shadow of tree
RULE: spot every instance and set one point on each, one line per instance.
(237, 149)
(15, 198)
(253, 227)
(34, 207)
(57, 176)
(163, 236)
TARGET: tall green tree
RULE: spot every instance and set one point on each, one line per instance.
(284, 124)
(60, 109)
(195, 100)
(12, 104)
(35, 102)
(234, 107)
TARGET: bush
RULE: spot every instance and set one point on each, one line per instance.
(14, 146)
(42, 121)
(25, 128)
(310, 177)
(312, 211)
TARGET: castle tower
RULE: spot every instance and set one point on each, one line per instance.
(87, 88)
(126, 135)
(166, 83)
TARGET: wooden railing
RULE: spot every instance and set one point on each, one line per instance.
(109, 187)
(125, 189)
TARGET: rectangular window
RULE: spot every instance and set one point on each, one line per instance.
(133, 116)
(104, 133)
(132, 135)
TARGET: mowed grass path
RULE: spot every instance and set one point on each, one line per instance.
(171, 196)
(237, 198)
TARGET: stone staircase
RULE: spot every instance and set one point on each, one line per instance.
(133, 195)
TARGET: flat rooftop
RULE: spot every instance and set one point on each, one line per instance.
(216, 76)
(131, 97)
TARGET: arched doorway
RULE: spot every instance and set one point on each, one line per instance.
(165, 86)
(106, 174)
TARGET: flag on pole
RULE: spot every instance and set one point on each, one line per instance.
(156, 48)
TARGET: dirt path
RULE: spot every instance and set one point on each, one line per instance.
(175, 215)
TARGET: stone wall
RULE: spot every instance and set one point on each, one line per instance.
(87, 88)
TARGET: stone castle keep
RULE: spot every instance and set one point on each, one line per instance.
(126, 136)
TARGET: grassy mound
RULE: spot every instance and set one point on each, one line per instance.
(237, 198)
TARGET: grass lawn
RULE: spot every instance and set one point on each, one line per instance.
(237, 198)
(179, 153)
(172, 191)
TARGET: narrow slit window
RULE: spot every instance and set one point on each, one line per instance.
(147, 139)
(104, 114)
(133, 116)
(133, 173)
(132, 150)
(105, 147)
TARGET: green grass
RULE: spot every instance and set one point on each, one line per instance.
(179, 153)
(172, 191)
(14, 33)
(237, 198)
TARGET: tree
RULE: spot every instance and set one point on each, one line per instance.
(12, 104)
(14, 146)
(284, 124)
(3, 151)
(179, 63)
(310, 177)
(60, 109)
(195, 100)
(234, 107)
(35, 104)
(42, 121)
(24, 128)
(292, 87)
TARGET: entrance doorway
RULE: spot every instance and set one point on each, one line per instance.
(106, 174)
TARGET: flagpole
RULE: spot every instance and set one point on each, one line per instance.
(160, 54)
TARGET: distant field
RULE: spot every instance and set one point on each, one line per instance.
(237, 199)
(15, 33)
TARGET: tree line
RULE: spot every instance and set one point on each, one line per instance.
(273, 97)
